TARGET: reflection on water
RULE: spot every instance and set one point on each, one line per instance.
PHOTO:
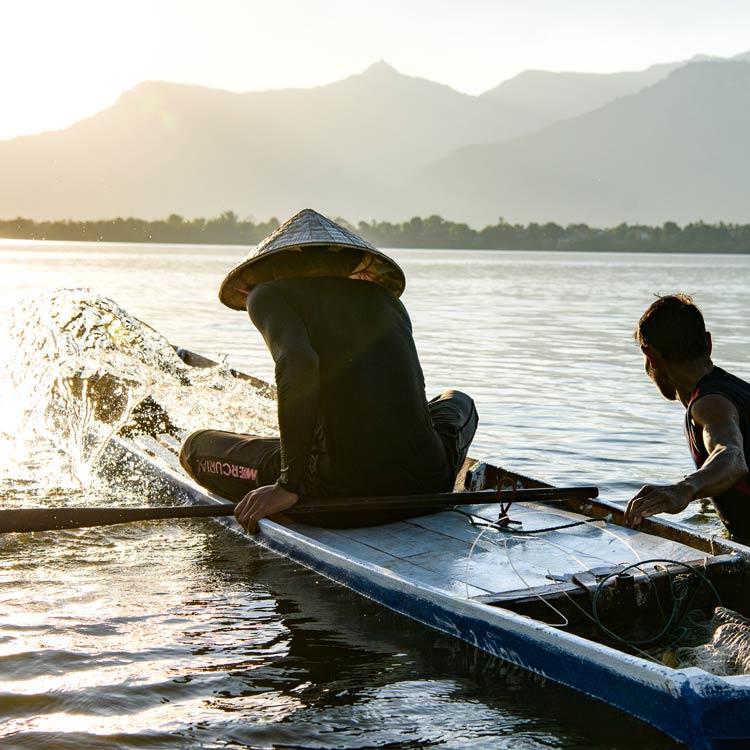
(180, 634)
(226, 646)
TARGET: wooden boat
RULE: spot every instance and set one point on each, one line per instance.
(566, 593)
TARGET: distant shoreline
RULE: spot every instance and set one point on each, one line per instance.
(432, 232)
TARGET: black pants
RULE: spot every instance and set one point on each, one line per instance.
(230, 464)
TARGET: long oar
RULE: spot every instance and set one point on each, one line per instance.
(49, 519)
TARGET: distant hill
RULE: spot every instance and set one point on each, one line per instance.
(668, 142)
(561, 95)
(345, 148)
(678, 150)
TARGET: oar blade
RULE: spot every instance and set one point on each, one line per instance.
(55, 519)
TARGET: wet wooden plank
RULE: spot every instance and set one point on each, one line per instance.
(341, 542)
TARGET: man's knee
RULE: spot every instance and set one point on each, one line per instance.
(190, 450)
(468, 407)
(456, 408)
(469, 414)
(459, 397)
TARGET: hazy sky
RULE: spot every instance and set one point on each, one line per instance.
(66, 59)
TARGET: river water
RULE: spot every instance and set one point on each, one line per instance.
(182, 635)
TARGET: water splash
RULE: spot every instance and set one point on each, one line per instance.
(75, 365)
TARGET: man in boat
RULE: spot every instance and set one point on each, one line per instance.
(677, 352)
(353, 417)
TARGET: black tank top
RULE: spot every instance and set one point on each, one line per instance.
(733, 506)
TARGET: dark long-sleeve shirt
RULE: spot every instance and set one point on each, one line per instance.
(347, 370)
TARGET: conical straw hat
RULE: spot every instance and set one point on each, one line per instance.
(308, 245)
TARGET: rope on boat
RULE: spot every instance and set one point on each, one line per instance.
(503, 525)
(489, 526)
(500, 526)
(503, 518)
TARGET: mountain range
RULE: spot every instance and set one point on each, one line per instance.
(678, 150)
(671, 142)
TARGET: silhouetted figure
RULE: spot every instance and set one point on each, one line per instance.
(353, 416)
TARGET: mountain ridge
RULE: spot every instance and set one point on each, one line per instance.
(626, 161)
(381, 144)
(177, 148)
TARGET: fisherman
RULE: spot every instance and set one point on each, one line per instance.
(677, 352)
(353, 417)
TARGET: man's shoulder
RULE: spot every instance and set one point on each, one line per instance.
(721, 396)
(723, 383)
(261, 292)
(713, 407)
(719, 374)
(285, 288)
(736, 379)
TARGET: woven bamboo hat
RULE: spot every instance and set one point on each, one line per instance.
(308, 245)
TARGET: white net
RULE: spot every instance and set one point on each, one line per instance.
(728, 650)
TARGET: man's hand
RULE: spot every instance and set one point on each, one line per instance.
(265, 501)
(652, 499)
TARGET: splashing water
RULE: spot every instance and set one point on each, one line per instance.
(74, 366)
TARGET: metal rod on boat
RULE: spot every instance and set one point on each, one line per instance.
(50, 519)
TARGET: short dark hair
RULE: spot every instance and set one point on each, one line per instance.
(674, 326)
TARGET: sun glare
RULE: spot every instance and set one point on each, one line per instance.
(70, 60)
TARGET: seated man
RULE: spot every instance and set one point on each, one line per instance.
(677, 351)
(353, 416)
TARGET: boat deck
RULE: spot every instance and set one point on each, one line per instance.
(467, 558)
(437, 549)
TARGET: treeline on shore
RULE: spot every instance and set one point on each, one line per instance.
(432, 232)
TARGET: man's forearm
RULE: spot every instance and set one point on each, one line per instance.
(721, 471)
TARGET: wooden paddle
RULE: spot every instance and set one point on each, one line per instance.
(49, 519)
(198, 360)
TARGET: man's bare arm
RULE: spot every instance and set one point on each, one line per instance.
(725, 466)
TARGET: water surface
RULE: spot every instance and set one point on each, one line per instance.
(181, 634)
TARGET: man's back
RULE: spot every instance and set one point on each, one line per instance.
(353, 419)
(371, 407)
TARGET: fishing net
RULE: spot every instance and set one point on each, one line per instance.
(727, 650)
